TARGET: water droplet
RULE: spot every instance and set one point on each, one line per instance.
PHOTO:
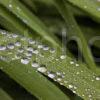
(40, 46)
(35, 51)
(70, 86)
(98, 78)
(71, 62)
(77, 65)
(63, 56)
(25, 61)
(42, 69)
(51, 75)
(17, 44)
(35, 64)
(20, 50)
(52, 50)
(98, 9)
(10, 46)
(45, 48)
(28, 54)
(10, 5)
(30, 49)
(85, 6)
(2, 48)
(59, 79)
(14, 35)
(31, 41)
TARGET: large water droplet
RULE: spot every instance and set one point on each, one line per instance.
(31, 41)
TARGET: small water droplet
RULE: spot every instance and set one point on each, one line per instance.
(77, 65)
(71, 62)
(35, 51)
(35, 64)
(51, 75)
(14, 35)
(31, 41)
(62, 56)
(30, 49)
(45, 48)
(17, 44)
(70, 86)
(42, 69)
(40, 46)
(52, 50)
(2, 48)
(98, 78)
(20, 50)
(10, 46)
(28, 54)
(25, 61)
(10, 5)
(59, 79)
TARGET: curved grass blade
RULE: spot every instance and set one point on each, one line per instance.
(74, 31)
(90, 6)
(39, 57)
(30, 19)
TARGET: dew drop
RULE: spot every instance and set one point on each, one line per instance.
(20, 50)
(10, 5)
(14, 35)
(71, 62)
(35, 51)
(30, 49)
(62, 56)
(31, 41)
(51, 75)
(25, 61)
(17, 44)
(77, 65)
(45, 48)
(59, 79)
(28, 54)
(40, 46)
(2, 48)
(10, 46)
(98, 78)
(52, 50)
(35, 64)
(42, 69)
(70, 86)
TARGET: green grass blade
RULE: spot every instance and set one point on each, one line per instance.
(54, 64)
(90, 6)
(4, 95)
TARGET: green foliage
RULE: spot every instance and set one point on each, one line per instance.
(33, 56)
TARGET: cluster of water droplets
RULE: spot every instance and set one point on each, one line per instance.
(32, 52)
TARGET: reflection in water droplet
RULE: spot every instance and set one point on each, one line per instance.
(25, 61)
